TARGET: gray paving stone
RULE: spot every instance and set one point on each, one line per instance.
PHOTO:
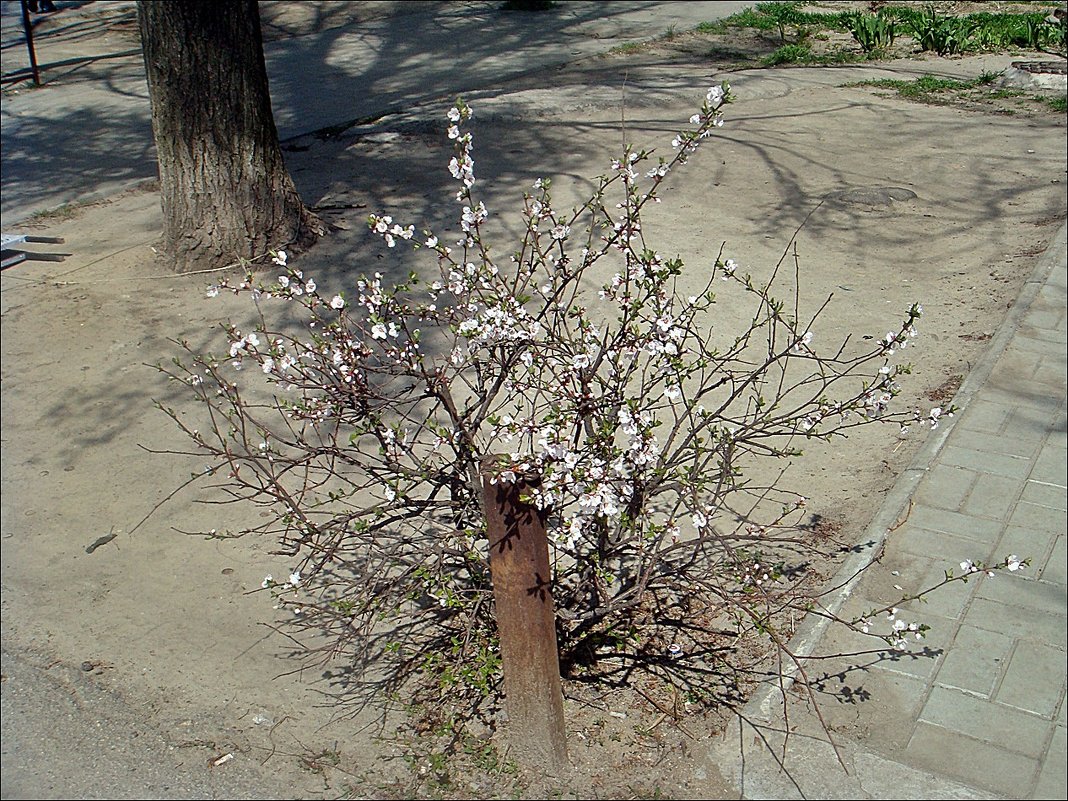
(1014, 369)
(1036, 339)
(972, 761)
(1038, 518)
(1050, 373)
(1055, 571)
(920, 659)
(1050, 466)
(1032, 423)
(945, 604)
(961, 525)
(1027, 544)
(940, 546)
(987, 462)
(1044, 400)
(1024, 447)
(993, 496)
(945, 487)
(996, 616)
(1034, 680)
(1052, 780)
(985, 416)
(1058, 437)
(903, 575)
(870, 654)
(1054, 496)
(1042, 318)
(855, 701)
(976, 661)
(994, 724)
(1023, 591)
(1039, 331)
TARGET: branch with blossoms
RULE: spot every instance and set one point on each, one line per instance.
(580, 361)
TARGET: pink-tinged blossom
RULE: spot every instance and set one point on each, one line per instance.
(803, 343)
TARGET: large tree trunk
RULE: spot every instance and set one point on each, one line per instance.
(225, 190)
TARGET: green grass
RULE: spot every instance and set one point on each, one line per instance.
(931, 89)
(947, 34)
(629, 48)
(1059, 104)
(68, 211)
(923, 89)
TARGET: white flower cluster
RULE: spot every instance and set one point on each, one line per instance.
(498, 326)
(390, 231)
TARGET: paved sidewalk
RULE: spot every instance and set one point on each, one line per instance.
(976, 710)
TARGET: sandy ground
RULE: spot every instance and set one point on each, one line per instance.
(162, 636)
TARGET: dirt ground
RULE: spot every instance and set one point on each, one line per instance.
(171, 627)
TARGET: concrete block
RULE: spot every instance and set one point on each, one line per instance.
(1034, 680)
(985, 443)
(939, 545)
(1055, 570)
(1052, 780)
(975, 661)
(1040, 493)
(973, 761)
(1025, 592)
(993, 497)
(1050, 466)
(1027, 544)
(980, 719)
(986, 461)
(986, 416)
(996, 616)
(1038, 518)
(969, 527)
(945, 487)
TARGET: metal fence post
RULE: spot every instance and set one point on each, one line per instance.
(28, 28)
(519, 568)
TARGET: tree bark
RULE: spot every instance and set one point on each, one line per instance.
(225, 190)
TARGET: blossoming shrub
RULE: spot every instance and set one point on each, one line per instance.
(635, 413)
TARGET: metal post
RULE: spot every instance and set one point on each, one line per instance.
(519, 568)
(26, 26)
